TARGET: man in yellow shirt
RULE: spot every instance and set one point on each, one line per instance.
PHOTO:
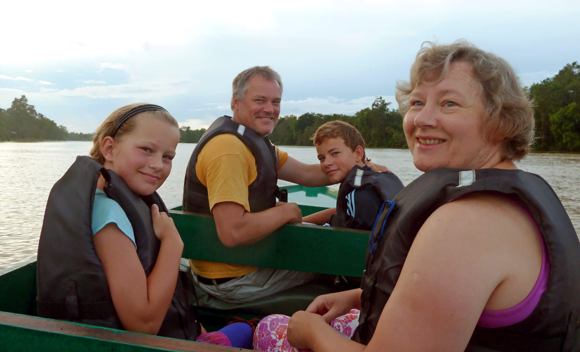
(232, 174)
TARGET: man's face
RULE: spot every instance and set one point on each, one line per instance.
(260, 108)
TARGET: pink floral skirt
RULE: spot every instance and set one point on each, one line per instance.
(271, 336)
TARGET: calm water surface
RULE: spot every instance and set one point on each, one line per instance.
(29, 170)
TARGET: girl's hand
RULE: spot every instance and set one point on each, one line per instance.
(333, 305)
(302, 326)
(163, 225)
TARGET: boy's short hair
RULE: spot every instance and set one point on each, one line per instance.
(340, 129)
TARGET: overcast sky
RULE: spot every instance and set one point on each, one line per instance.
(77, 61)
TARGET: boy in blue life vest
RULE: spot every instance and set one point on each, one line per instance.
(340, 149)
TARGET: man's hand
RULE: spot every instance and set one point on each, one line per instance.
(293, 210)
(309, 175)
(376, 167)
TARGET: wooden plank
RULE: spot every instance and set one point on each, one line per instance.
(25, 333)
(325, 250)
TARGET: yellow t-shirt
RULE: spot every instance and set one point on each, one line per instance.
(230, 167)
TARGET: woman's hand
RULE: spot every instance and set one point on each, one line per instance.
(163, 225)
(301, 328)
(333, 305)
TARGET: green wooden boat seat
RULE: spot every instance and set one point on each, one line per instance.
(323, 250)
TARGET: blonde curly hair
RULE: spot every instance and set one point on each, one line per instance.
(509, 111)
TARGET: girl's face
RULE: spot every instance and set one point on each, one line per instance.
(143, 157)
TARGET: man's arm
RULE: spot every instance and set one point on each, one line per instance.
(235, 226)
(310, 175)
(319, 218)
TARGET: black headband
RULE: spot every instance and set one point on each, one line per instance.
(136, 110)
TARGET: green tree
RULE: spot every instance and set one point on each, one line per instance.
(565, 126)
(550, 96)
(190, 136)
(22, 122)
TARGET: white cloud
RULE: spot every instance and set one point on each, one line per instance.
(28, 71)
(332, 105)
(48, 90)
(92, 81)
(117, 66)
(24, 79)
(219, 107)
(135, 90)
(16, 78)
(194, 124)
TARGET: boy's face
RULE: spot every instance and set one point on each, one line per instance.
(336, 159)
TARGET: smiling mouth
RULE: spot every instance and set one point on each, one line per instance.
(430, 141)
(150, 177)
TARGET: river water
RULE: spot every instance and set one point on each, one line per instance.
(29, 170)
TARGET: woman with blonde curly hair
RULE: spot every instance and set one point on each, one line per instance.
(473, 255)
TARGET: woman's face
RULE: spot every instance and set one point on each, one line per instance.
(444, 125)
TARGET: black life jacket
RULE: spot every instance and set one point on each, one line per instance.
(71, 281)
(262, 192)
(554, 325)
(385, 185)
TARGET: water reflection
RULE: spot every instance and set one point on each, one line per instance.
(29, 170)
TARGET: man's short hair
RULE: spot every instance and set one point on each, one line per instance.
(340, 129)
(240, 83)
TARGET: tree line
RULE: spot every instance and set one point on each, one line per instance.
(21, 122)
(380, 127)
(556, 112)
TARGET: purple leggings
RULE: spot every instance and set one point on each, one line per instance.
(233, 335)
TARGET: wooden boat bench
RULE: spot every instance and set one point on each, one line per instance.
(310, 248)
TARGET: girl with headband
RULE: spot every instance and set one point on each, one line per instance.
(109, 254)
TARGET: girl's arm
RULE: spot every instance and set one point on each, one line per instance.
(481, 252)
(141, 302)
(320, 217)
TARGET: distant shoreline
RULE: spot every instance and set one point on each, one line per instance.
(299, 146)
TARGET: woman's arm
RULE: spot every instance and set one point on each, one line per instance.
(310, 329)
(141, 302)
(320, 217)
(478, 252)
